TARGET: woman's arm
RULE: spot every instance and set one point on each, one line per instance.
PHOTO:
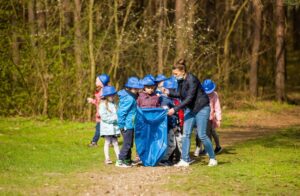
(193, 83)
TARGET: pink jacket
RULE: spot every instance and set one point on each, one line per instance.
(215, 109)
(96, 102)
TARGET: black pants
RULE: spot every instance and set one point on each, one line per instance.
(125, 153)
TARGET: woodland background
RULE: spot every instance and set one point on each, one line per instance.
(52, 50)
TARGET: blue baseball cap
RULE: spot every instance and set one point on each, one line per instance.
(104, 78)
(160, 77)
(148, 81)
(133, 82)
(108, 91)
(209, 86)
(170, 84)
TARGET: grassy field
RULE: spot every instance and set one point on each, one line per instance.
(269, 165)
(38, 154)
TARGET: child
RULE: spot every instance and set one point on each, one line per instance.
(215, 116)
(148, 98)
(109, 120)
(126, 115)
(160, 81)
(173, 124)
(101, 81)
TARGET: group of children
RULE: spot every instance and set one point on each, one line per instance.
(113, 120)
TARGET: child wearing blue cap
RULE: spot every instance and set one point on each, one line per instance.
(126, 115)
(101, 81)
(173, 126)
(148, 98)
(215, 117)
(160, 78)
(109, 121)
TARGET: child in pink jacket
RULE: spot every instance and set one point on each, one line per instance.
(101, 81)
(215, 116)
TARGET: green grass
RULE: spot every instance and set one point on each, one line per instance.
(270, 165)
(35, 152)
(38, 152)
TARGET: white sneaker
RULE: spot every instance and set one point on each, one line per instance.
(212, 162)
(197, 152)
(182, 163)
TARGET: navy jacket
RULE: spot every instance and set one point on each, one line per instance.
(191, 93)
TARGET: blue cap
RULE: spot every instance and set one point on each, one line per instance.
(209, 86)
(170, 84)
(133, 82)
(160, 77)
(108, 91)
(148, 81)
(104, 78)
(150, 76)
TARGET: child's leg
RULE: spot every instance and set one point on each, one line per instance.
(97, 133)
(216, 137)
(209, 129)
(127, 143)
(198, 141)
(116, 145)
(106, 147)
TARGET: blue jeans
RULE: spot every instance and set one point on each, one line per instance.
(200, 119)
(97, 133)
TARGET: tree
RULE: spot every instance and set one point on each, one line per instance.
(257, 6)
(280, 51)
(180, 28)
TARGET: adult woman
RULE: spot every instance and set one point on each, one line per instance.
(196, 107)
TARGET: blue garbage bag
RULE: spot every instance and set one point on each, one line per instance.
(151, 135)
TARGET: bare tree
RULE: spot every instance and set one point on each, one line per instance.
(280, 50)
(257, 5)
(180, 28)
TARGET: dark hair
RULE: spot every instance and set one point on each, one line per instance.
(180, 65)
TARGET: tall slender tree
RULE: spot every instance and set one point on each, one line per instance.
(280, 50)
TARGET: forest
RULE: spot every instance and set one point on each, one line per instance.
(52, 50)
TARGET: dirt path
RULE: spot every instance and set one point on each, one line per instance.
(148, 180)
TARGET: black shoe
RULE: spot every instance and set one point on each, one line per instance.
(218, 150)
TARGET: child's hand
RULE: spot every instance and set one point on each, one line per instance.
(217, 124)
(89, 100)
(165, 91)
(171, 112)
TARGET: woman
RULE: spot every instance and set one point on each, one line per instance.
(196, 107)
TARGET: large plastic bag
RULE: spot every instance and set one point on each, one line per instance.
(151, 137)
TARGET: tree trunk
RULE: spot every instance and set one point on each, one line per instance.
(257, 5)
(78, 52)
(180, 28)
(280, 51)
(42, 67)
(162, 6)
(91, 54)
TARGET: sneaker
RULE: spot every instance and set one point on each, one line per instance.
(137, 161)
(182, 163)
(120, 163)
(108, 161)
(191, 161)
(218, 150)
(165, 163)
(93, 144)
(197, 152)
(212, 163)
(203, 152)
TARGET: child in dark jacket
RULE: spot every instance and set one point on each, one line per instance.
(126, 115)
(173, 124)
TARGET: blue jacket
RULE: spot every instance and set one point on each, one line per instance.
(127, 109)
(173, 121)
